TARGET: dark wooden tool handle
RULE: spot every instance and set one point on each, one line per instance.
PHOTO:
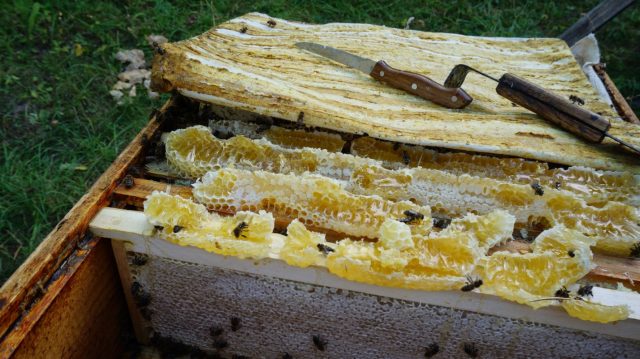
(554, 108)
(420, 85)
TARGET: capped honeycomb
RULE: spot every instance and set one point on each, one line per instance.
(195, 151)
(595, 187)
(314, 200)
(288, 138)
(186, 223)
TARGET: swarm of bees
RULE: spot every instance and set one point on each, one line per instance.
(411, 216)
(471, 284)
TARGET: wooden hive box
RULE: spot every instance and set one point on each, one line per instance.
(79, 294)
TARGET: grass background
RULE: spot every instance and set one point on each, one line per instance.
(59, 128)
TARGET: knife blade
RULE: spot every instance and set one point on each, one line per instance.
(410, 82)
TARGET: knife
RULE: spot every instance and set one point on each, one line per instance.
(410, 82)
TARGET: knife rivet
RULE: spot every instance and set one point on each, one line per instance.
(381, 73)
(414, 86)
(454, 99)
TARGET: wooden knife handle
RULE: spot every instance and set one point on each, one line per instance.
(420, 85)
(554, 108)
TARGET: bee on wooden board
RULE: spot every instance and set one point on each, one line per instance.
(271, 23)
(240, 228)
(320, 342)
(470, 349)
(471, 284)
(243, 29)
(431, 350)
(576, 100)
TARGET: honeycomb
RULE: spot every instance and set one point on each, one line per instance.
(314, 200)
(194, 151)
(186, 223)
(594, 187)
(279, 135)
(525, 278)
(427, 260)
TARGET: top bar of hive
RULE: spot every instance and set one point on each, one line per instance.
(250, 64)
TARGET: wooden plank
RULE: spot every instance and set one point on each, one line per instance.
(130, 225)
(608, 269)
(621, 105)
(594, 20)
(141, 330)
(81, 315)
(28, 281)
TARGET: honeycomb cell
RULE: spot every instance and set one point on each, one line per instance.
(318, 200)
(301, 247)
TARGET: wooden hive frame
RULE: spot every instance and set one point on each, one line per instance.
(53, 302)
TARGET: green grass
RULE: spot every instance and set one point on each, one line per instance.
(56, 113)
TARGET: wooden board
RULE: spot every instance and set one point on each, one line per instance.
(260, 70)
(132, 227)
(81, 315)
(608, 269)
(29, 282)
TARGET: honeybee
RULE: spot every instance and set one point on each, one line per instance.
(177, 228)
(576, 100)
(405, 158)
(537, 188)
(441, 222)
(271, 23)
(471, 284)
(220, 343)
(563, 292)
(300, 120)
(470, 349)
(141, 297)
(320, 342)
(571, 253)
(240, 228)
(431, 350)
(585, 291)
(635, 250)
(128, 181)
(139, 259)
(325, 249)
(243, 29)
(235, 324)
(215, 331)
(411, 216)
